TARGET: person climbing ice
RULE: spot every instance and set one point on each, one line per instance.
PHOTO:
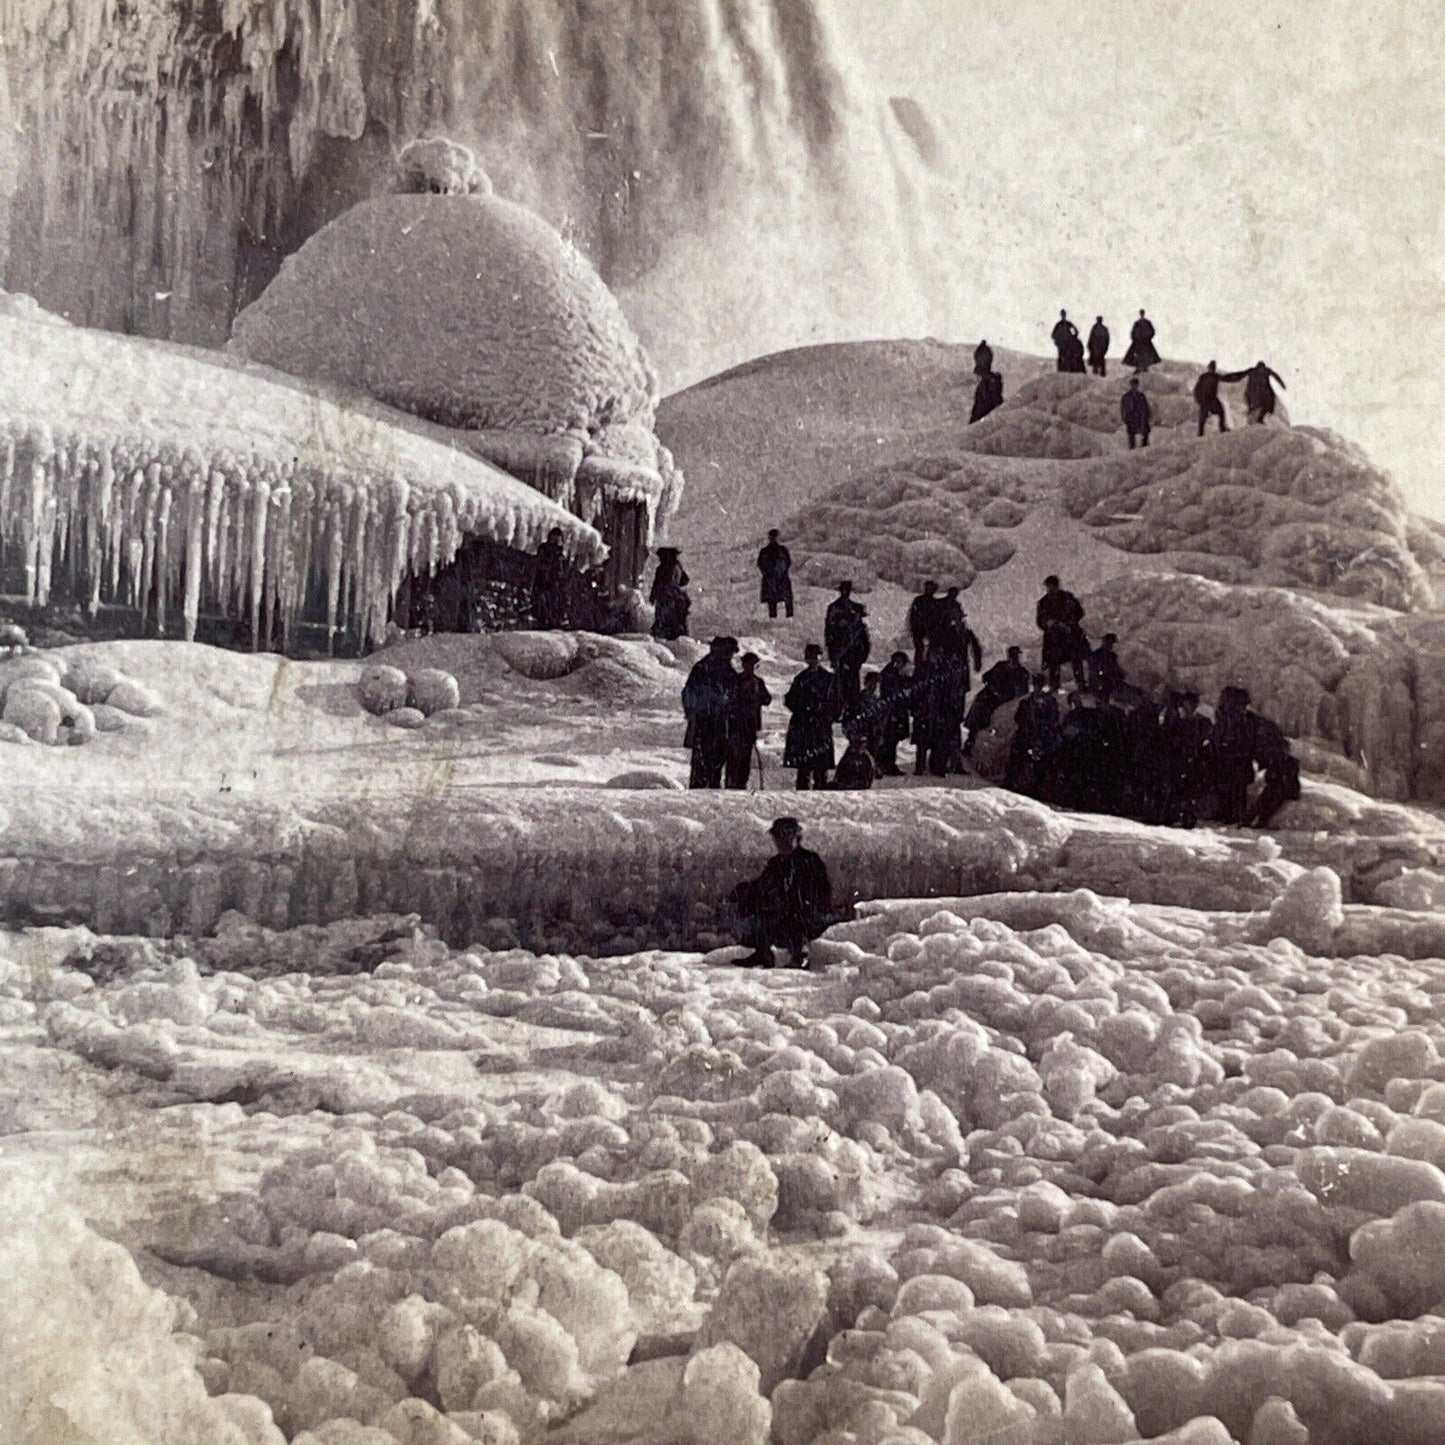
(1136, 413)
(668, 596)
(1142, 353)
(1259, 398)
(813, 702)
(775, 563)
(1099, 347)
(549, 604)
(788, 905)
(708, 703)
(1206, 397)
(987, 396)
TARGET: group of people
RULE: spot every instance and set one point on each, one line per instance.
(1141, 355)
(1106, 746)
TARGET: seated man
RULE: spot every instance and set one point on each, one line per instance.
(788, 904)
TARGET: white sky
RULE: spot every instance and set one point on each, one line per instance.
(1266, 178)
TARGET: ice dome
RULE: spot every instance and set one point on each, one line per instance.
(471, 311)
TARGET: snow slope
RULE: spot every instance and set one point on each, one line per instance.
(1169, 547)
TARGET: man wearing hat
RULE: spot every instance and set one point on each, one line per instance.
(708, 700)
(750, 697)
(789, 904)
(813, 701)
(845, 635)
(775, 562)
(1106, 672)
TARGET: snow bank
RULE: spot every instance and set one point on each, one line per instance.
(129, 466)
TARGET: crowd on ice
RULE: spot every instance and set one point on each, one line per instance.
(1029, 1169)
(1107, 746)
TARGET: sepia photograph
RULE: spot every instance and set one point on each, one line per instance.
(472, 472)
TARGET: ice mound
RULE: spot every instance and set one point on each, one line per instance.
(1293, 508)
(1352, 678)
(474, 313)
(1078, 1168)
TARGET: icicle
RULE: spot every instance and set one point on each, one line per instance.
(149, 506)
(197, 516)
(7, 483)
(159, 572)
(256, 559)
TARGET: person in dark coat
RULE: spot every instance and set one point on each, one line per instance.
(865, 718)
(750, 697)
(1281, 782)
(669, 598)
(895, 688)
(813, 701)
(1206, 397)
(788, 905)
(1059, 616)
(1098, 347)
(1259, 397)
(1036, 736)
(1134, 409)
(845, 636)
(1064, 334)
(775, 562)
(982, 359)
(1004, 681)
(549, 603)
(856, 768)
(923, 621)
(1141, 354)
(1231, 755)
(1186, 750)
(709, 703)
(987, 396)
(1106, 672)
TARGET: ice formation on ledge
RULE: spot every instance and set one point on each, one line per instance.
(473, 313)
(169, 482)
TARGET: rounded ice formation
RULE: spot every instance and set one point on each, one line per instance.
(441, 166)
(382, 689)
(432, 691)
(466, 309)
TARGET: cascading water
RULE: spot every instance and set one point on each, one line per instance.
(164, 155)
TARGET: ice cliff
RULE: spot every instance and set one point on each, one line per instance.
(168, 481)
(162, 160)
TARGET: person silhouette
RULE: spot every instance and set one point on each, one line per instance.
(774, 563)
(982, 359)
(1098, 347)
(1064, 335)
(987, 396)
(1141, 354)
(1134, 408)
(1259, 397)
(1206, 397)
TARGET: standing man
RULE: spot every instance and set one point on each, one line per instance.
(1064, 335)
(548, 602)
(788, 905)
(1134, 408)
(982, 359)
(750, 697)
(1141, 354)
(708, 703)
(1206, 398)
(813, 701)
(775, 563)
(845, 635)
(895, 688)
(1059, 616)
(1106, 672)
(923, 621)
(1098, 347)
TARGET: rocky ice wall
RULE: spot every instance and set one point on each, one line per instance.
(162, 158)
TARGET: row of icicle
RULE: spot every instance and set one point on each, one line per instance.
(173, 535)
